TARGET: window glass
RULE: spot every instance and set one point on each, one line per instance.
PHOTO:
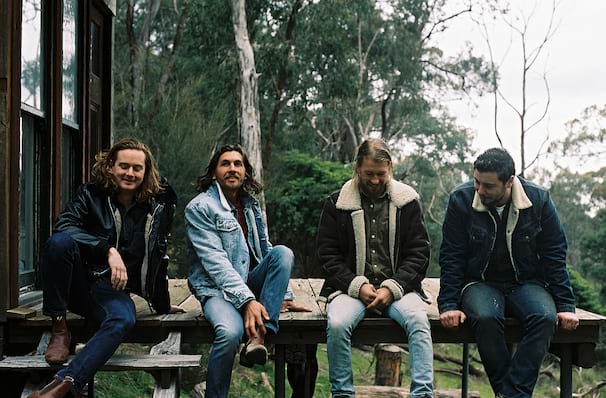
(27, 205)
(70, 164)
(31, 54)
(70, 64)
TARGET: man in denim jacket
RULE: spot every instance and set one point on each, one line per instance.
(504, 253)
(238, 277)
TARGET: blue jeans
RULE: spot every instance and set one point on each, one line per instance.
(410, 312)
(67, 284)
(486, 304)
(268, 281)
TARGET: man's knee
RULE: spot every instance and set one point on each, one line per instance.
(545, 321)
(231, 336)
(339, 326)
(486, 318)
(126, 320)
(417, 321)
(60, 242)
(284, 256)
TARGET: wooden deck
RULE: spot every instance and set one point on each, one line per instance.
(576, 347)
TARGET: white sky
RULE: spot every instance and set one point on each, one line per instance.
(575, 63)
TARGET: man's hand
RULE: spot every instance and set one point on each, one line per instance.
(290, 305)
(367, 293)
(254, 316)
(382, 300)
(568, 320)
(119, 275)
(452, 319)
(175, 309)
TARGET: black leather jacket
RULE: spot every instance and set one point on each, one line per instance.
(94, 223)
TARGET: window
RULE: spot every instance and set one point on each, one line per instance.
(71, 160)
(70, 61)
(32, 123)
(29, 178)
(31, 55)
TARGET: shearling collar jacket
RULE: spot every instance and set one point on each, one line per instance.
(342, 241)
(535, 241)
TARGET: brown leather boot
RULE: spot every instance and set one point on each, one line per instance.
(55, 389)
(58, 347)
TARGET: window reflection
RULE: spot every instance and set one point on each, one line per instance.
(28, 195)
(31, 54)
(70, 65)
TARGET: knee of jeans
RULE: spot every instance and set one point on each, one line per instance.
(285, 255)
(338, 326)
(546, 320)
(126, 321)
(417, 320)
(60, 242)
(487, 318)
(228, 335)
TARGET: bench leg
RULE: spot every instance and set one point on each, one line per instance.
(91, 388)
(279, 372)
(465, 372)
(565, 371)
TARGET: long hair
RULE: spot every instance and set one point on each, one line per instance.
(104, 161)
(373, 149)
(251, 186)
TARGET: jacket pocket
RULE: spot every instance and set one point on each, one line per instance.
(226, 224)
(525, 240)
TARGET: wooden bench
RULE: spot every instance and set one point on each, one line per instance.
(164, 363)
(573, 348)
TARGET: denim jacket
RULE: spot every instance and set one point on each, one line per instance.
(535, 241)
(220, 255)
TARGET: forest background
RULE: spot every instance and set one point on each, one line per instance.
(331, 73)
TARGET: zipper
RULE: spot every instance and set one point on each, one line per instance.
(145, 265)
(117, 221)
(494, 238)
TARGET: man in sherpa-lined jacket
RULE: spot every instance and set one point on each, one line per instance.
(374, 250)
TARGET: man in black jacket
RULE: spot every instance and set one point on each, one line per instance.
(374, 250)
(108, 242)
(504, 252)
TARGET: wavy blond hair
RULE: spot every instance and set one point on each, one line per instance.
(104, 161)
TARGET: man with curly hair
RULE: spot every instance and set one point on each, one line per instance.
(109, 241)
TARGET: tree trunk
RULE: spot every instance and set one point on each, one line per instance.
(248, 118)
(388, 368)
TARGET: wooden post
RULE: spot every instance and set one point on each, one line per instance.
(388, 368)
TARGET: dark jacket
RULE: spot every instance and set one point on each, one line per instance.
(94, 223)
(342, 242)
(535, 241)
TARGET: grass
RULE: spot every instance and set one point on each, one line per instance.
(258, 382)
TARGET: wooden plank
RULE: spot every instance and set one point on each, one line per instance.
(304, 296)
(178, 290)
(21, 313)
(141, 306)
(192, 304)
(171, 392)
(316, 285)
(117, 362)
(191, 317)
(170, 346)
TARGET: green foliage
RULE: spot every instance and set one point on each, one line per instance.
(297, 185)
(593, 247)
(587, 297)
